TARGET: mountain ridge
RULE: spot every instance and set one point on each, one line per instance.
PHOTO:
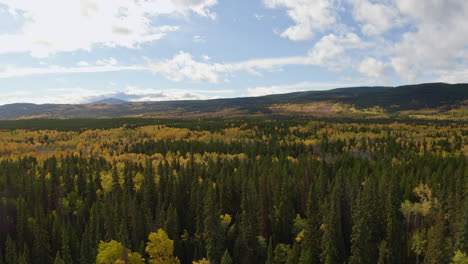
(110, 100)
(378, 100)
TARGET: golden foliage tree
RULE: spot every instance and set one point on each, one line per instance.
(160, 248)
(114, 252)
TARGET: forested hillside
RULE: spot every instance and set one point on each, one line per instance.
(234, 191)
(427, 101)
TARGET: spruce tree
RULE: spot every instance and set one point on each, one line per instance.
(226, 258)
(213, 229)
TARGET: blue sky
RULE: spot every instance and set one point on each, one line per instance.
(78, 51)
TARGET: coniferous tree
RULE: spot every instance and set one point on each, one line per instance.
(58, 259)
(363, 239)
(213, 230)
(270, 255)
(436, 251)
(394, 229)
(312, 233)
(1, 257)
(66, 253)
(226, 258)
(10, 251)
(85, 249)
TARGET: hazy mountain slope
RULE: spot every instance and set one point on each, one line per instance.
(387, 99)
(111, 101)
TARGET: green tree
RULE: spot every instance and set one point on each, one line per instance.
(436, 252)
(270, 256)
(213, 229)
(58, 259)
(226, 258)
(395, 234)
(10, 251)
(363, 239)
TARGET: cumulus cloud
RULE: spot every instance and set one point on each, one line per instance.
(328, 52)
(310, 16)
(441, 27)
(376, 17)
(52, 26)
(182, 66)
(427, 37)
(459, 75)
(373, 68)
(331, 50)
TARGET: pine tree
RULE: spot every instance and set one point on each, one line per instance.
(26, 254)
(149, 190)
(21, 221)
(213, 229)
(270, 253)
(436, 252)
(395, 241)
(116, 189)
(461, 234)
(1, 257)
(363, 240)
(85, 249)
(41, 244)
(226, 258)
(10, 251)
(66, 253)
(312, 233)
(248, 221)
(58, 259)
(307, 257)
(332, 239)
(22, 259)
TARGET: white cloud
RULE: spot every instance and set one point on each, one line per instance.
(373, 68)
(258, 17)
(427, 37)
(328, 52)
(376, 17)
(109, 61)
(53, 26)
(15, 72)
(183, 66)
(439, 35)
(198, 39)
(331, 50)
(453, 76)
(82, 64)
(310, 16)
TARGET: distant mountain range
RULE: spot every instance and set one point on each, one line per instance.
(111, 101)
(431, 100)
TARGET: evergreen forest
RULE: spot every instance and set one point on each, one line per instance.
(225, 191)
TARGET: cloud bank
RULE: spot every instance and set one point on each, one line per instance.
(51, 26)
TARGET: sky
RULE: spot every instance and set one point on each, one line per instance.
(80, 51)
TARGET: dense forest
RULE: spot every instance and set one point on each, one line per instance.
(234, 191)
